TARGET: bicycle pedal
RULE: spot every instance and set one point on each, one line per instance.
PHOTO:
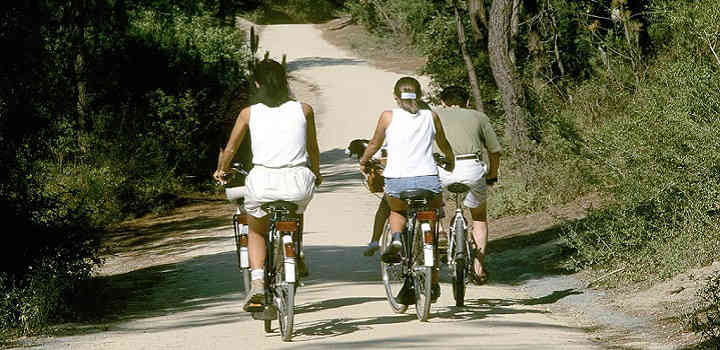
(265, 314)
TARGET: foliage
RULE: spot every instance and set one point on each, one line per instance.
(105, 107)
(705, 315)
(658, 161)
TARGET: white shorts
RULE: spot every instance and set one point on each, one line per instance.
(265, 185)
(471, 173)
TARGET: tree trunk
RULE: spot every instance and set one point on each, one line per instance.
(514, 27)
(472, 76)
(80, 50)
(504, 73)
(478, 13)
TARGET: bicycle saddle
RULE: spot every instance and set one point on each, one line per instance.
(458, 188)
(280, 205)
(417, 194)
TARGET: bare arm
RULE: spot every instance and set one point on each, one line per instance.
(443, 143)
(311, 143)
(378, 139)
(236, 138)
(494, 159)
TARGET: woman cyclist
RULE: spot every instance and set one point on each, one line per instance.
(285, 159)
(408, 132)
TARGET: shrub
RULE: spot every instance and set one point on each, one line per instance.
(705, 316)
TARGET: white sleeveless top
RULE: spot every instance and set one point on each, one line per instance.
(277, 135)
(409, 139)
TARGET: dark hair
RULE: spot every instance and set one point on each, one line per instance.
(411, 85)
(454, 96)
(272, 78)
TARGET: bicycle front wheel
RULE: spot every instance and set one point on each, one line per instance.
(392, 274)
(422, 277)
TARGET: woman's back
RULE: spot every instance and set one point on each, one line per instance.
(409, 139)
(278, 135)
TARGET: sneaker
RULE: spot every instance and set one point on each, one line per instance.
(435, 292)
(443, 247)
(255, 297)
(442, 240)
(392, 253)
(372, 247)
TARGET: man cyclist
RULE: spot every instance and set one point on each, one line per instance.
(469, 132)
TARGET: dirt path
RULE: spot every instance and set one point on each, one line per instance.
(183, 291)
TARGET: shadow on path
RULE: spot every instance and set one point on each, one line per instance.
(311, 62)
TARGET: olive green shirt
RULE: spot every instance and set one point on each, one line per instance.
(467, 130)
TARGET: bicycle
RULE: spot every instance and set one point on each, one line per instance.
(283, 248)
(460, 249)
(235, 193)
(281, 276)
(417, 256)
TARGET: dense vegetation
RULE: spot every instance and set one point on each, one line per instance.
(621, 97)
(106, 107)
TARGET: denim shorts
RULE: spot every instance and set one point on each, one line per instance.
(396, 185)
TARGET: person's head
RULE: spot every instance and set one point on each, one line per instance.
(271, 85)
(408, 94)
(454, 96)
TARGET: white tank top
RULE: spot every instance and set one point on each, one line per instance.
(409, 139)
(277, 135)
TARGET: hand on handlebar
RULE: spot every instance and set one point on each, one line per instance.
(219, 177)
(445, 163)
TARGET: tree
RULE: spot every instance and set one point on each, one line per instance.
(472, 76)
(503, 69)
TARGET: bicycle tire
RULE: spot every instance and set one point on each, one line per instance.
(422, 277)
(246, 280)
(284, 297)
(286, 313)
(459, 264)
(392, 274)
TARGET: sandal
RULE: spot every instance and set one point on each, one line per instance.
(481, 278)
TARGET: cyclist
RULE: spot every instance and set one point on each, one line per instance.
(409, 132)
(469, 132)
(285, 159)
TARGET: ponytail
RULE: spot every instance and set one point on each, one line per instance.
(409, 93)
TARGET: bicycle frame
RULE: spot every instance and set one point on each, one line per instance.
(420, 212)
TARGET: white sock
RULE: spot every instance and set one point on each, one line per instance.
(257, 274)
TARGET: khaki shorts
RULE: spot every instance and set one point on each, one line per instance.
(471, 173)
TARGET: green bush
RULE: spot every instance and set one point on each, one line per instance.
(658, 161)
(160, 93)
(705, 316)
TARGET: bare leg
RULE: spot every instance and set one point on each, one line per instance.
(480, 234)
(257, 228)
(381, 216)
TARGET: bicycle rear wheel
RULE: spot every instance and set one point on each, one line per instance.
(459, 266)
(284, 297)
(422, 277)
(285, 300)
(392, 274)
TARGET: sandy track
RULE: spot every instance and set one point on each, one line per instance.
(193, 293)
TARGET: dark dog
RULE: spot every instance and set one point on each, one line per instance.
(356, 148)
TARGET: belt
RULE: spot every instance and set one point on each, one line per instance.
(467, 156)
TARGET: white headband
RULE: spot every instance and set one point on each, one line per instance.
(408, 96)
